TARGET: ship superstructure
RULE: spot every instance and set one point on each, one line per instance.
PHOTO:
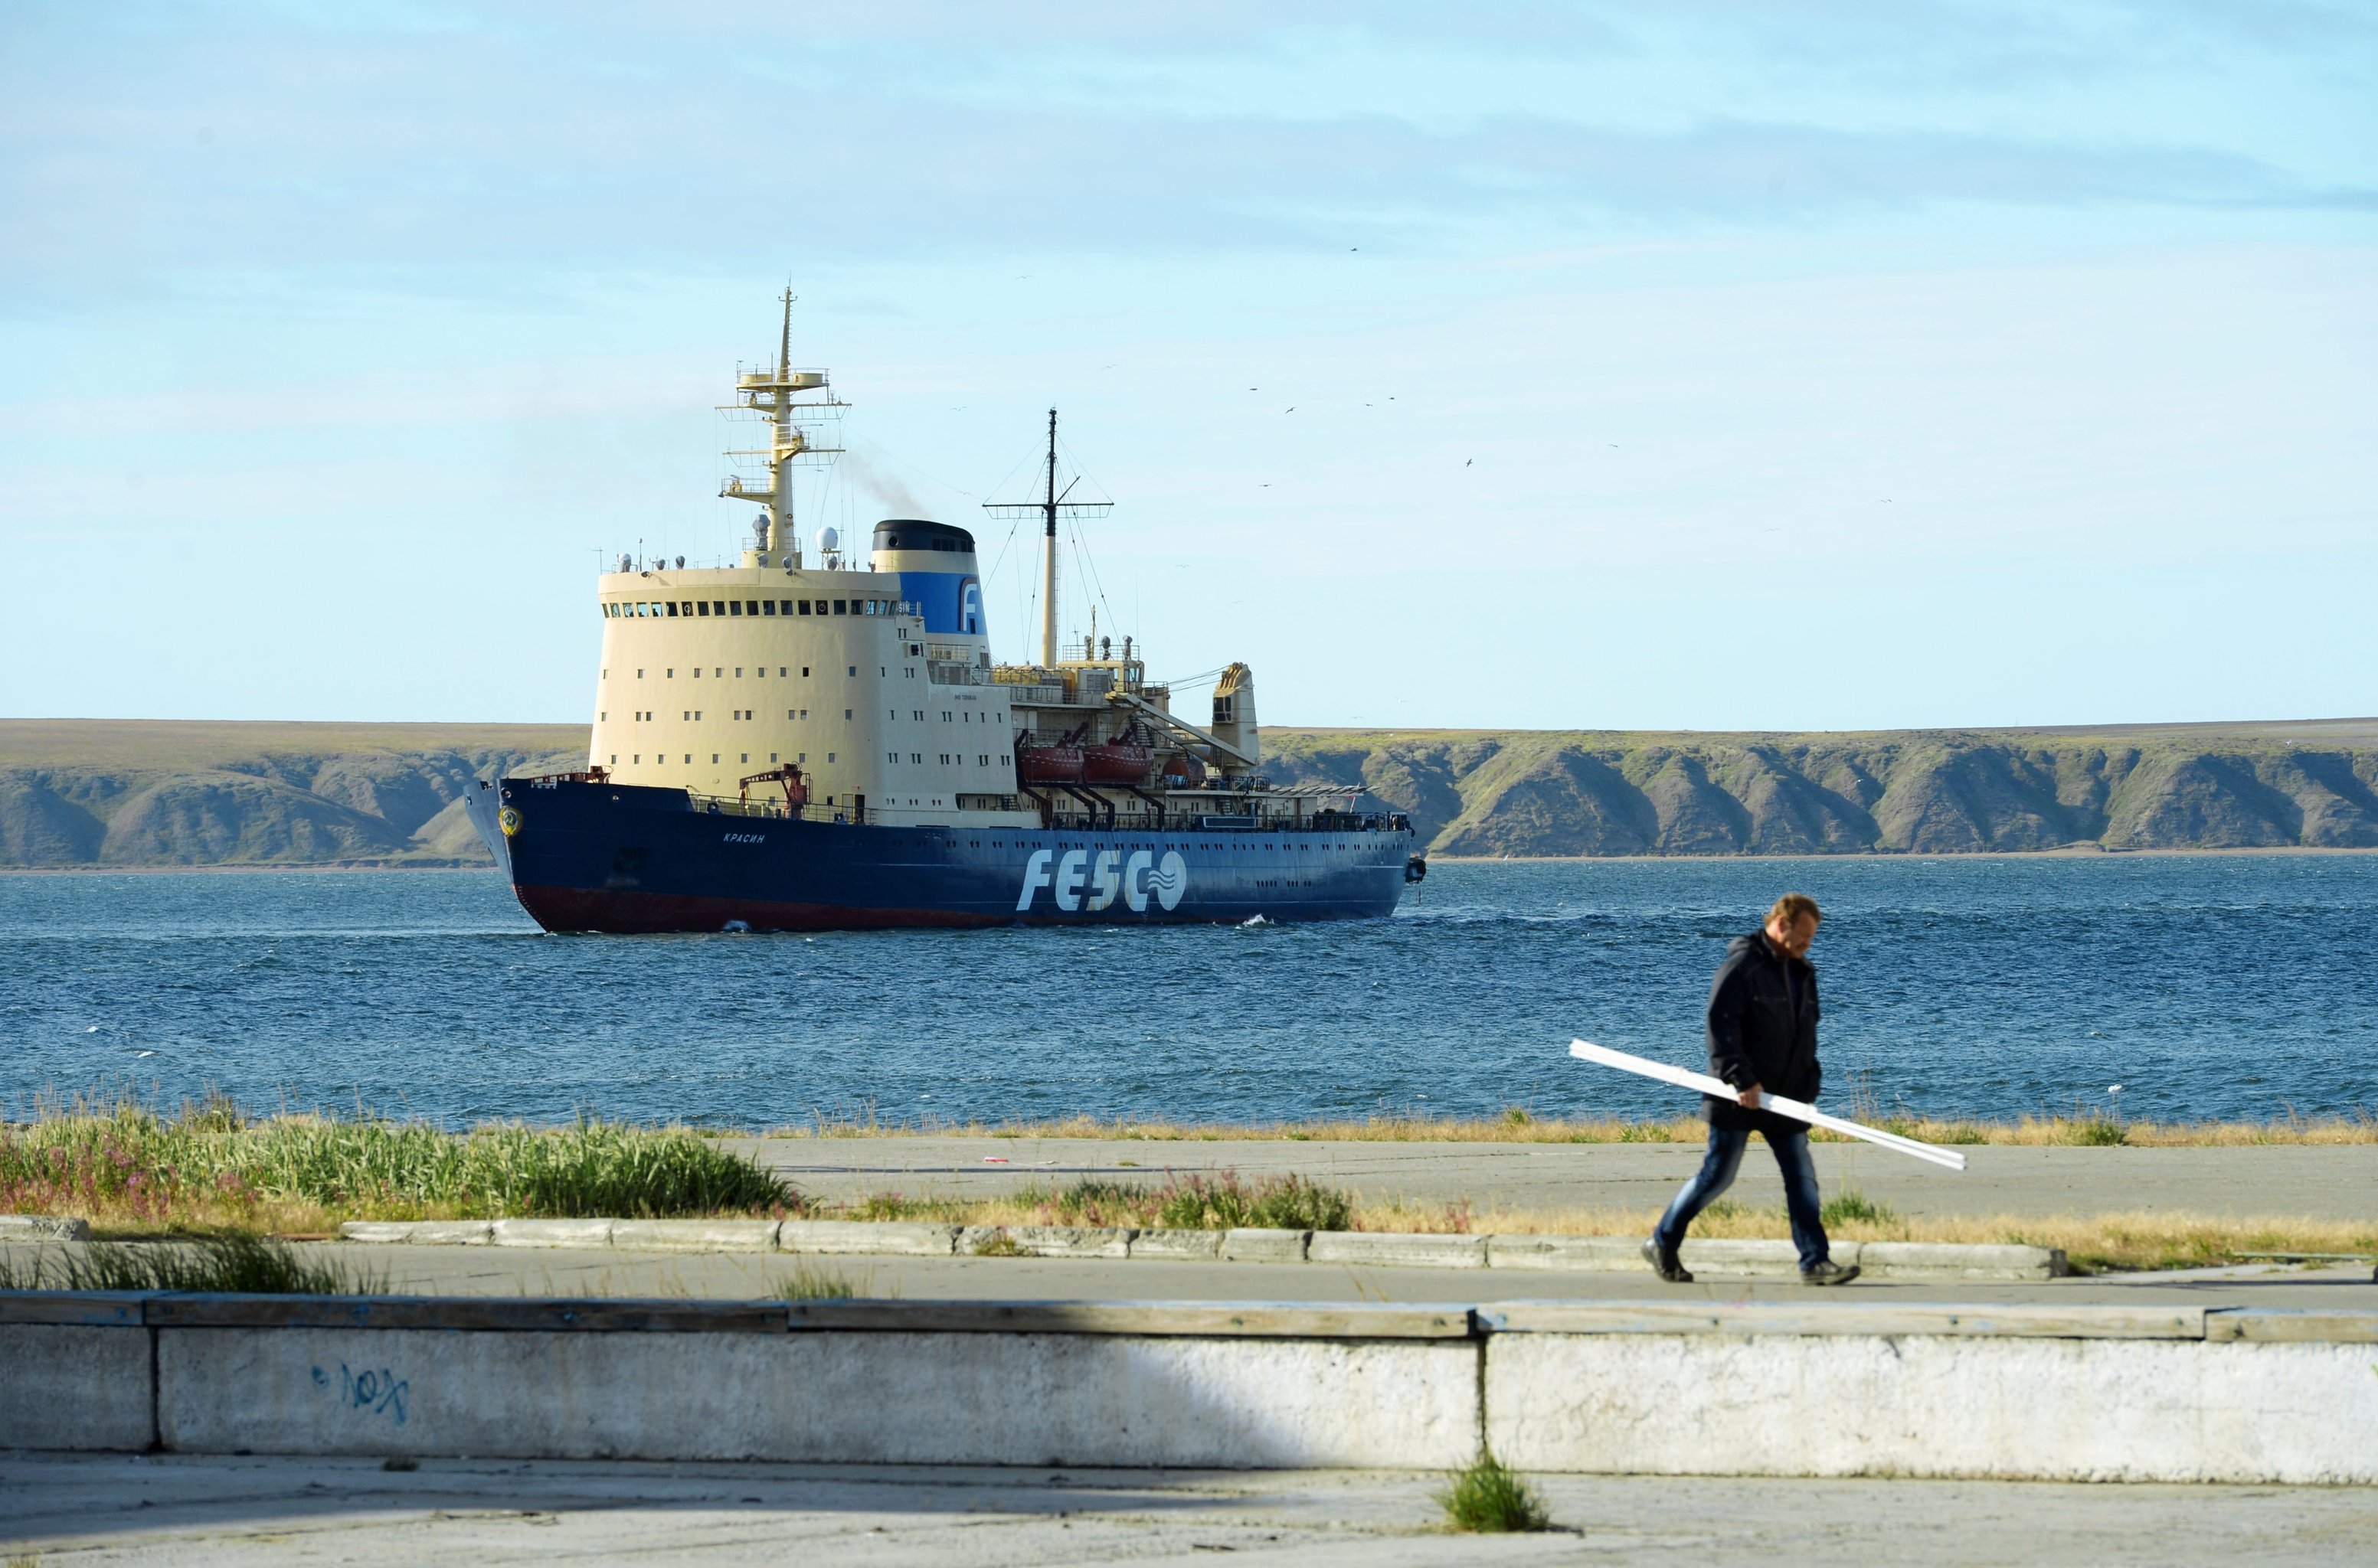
(825, 739)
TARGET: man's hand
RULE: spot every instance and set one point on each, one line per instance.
(1748, 1098)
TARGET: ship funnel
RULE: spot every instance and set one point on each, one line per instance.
(938, 573)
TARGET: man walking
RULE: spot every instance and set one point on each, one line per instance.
(1762, 1035)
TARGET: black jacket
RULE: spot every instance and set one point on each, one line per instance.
(1762, 1030)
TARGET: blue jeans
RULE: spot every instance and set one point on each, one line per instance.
(1717, 1172)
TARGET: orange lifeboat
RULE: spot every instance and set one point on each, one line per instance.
(1123, 762)
(1049, 765)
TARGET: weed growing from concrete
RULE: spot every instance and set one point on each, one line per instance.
(254, 1265)
(1223, 1202)
(809, 1282)
(1856, 1208)
(1487, 1498)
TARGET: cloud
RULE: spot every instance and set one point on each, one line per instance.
(485, 150)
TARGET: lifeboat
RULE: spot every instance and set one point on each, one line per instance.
(1049, 765)
(1117, 762)
(1184, 771)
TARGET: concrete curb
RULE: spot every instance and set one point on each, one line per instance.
(2083, 1392)
(1374, 1248)
(43, 1227)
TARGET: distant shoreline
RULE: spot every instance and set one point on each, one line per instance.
(2090, 852)
(2069, 852)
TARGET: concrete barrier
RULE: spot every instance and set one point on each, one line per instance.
(2061, 1393)
(1885, 1260)
(1046, 1240)
(2025, 1391)
(866, 1238)
(1397, 1250)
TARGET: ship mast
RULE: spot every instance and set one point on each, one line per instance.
(1049, 554)
(795, 434)
(1051, 505)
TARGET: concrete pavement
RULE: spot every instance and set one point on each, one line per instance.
(556, 1270)
(104, 1509)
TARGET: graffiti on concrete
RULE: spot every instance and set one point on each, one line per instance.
(378, 1393)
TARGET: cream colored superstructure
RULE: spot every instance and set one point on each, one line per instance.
(709, 676)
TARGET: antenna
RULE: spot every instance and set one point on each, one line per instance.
(1050, 507)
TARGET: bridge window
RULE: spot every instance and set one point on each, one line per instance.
(768, 607)
(804, 605)
(734, 606)
(841, 608)
(703, 605)
(750, 606)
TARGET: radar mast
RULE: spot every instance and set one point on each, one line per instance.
(801, 409)
(1052, 505)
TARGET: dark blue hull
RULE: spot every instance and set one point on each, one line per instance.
(594, 857)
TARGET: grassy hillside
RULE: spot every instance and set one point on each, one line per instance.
(75, 792)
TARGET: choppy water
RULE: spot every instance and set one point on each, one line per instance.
(2208, 985)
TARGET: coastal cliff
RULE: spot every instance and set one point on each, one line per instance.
(1930, 792)
(139, 794)
(135, 794)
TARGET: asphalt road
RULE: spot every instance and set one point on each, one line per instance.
(2315, 1182)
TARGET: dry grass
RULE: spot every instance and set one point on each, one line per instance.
(1517, 1125)
(2094, 1242)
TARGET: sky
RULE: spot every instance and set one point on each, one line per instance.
(1710, 364)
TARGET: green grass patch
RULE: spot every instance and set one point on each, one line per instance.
(1856, 1208)
(249, 1265)
(1488, 1499)
(1194, 1201)
(208, 1168)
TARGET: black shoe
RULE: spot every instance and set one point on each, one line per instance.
(1829, 1273)
(1665, 1265)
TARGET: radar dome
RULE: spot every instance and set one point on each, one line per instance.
(829, 540)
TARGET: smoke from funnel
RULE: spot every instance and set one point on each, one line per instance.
(896, 497)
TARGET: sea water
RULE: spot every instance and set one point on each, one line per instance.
(2205, 986)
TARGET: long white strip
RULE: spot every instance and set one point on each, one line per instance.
(1797, 1110)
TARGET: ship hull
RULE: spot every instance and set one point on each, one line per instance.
(590, 857)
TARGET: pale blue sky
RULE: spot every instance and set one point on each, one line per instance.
(2017, 358)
